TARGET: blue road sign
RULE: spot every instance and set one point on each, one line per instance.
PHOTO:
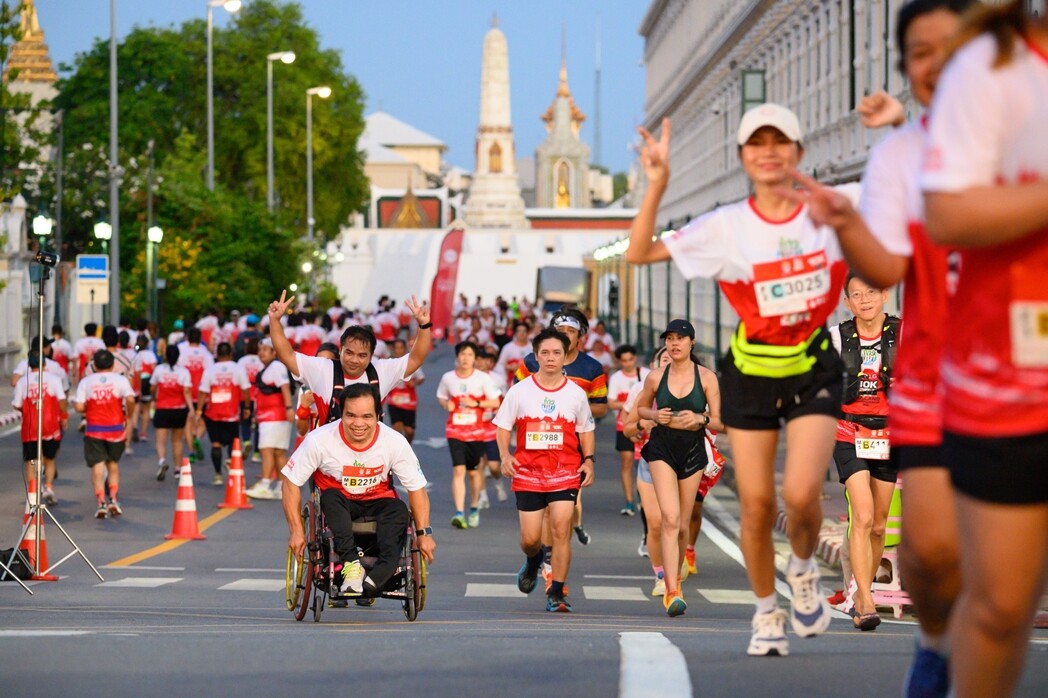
(92, 266)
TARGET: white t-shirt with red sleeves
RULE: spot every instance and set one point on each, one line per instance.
(84, 349)
(619, 387)
(466, 423)
(892, 205)
(170, 384)
(511, 357)
(548, 424)
(361, 474)
(144, 365)
(271, 407)
(251, 365)
(318, 374)
(50, 367)
(490, 430)
(25, 397)
(987, 128)
(309, 339)
(103, 395)
(196, 359)
(224, 383)
(62, 352)
(404, 396)
(783, 278)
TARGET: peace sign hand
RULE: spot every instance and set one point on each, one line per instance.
(655, 155)
(420, 311)
(278, 308)
(826, 206)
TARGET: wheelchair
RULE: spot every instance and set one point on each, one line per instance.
(310, 582)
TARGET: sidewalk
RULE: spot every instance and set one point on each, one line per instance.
(8, 416)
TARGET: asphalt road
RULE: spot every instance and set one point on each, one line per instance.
(207, 617)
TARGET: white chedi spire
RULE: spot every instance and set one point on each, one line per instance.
(494, 195)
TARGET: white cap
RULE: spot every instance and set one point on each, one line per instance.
(769, 114)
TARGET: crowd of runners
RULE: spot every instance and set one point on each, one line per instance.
(952, 204)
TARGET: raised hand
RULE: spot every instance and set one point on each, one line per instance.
(278, 308)
(419, 310)
(881, 109)
(826, 206)
(655, 155)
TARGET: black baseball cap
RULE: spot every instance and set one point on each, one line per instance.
(681, 327)
(36, 342)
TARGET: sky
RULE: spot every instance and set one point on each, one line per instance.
(419, 60)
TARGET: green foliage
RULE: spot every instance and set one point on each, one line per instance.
(619, 185)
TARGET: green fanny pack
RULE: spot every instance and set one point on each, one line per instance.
(772, 361)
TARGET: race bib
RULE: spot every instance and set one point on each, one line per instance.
(793, 285)
(221, 395)
(359, 479)
(1028, 318)
(399, 399)
(462, 419)
(543, 436)
(871, 444)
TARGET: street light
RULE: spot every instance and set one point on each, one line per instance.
(307, 267)
(104, 232)
(42, 227)
(155, 235)
(285, 57)
(230, 6)
(323, 92)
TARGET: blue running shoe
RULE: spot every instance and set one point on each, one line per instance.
(928, 676)
(557, 604)
(809, 611)
(526, 578)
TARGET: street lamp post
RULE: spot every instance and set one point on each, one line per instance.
(230, 6)
(114, 173)
(104, 232)
(323, 92)
(156, 236)
(285, 57)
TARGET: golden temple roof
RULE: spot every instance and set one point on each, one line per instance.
(30, 57)
(577, 117)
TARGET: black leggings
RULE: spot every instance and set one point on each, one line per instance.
(391, 522)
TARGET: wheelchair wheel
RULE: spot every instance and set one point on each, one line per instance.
(296, 570)
(319, 603)
(310, 561)
(421, 586)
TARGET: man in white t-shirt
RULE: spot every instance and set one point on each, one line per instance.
(355, 358)
(350, 461)
(619, 385)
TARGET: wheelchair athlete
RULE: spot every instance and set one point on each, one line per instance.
(350, 461)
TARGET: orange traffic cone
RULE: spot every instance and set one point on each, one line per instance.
(29, 539)
(184, 526)
(235, 489)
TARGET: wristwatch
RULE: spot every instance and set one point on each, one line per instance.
(590, 457)
(427, 531)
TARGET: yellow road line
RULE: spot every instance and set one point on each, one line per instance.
(171, 544)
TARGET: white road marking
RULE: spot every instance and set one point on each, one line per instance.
(593, 593)
(43, 633)
(652, 666)
(491, 574)
(141, 582)
(146, 568)
(250, 569)
(715, 514)
(641, 577)
(254, 585)
(734, 596)
(505, 591)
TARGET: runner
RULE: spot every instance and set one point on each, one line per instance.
(512, 354)
(402, 400)
(85, 348)
(866, 344)
(51, 367)
(106, 400)
(143, 365)
(61, 349)
(252, 366)
(195, 358)
(682, 399)
(490, 464)
(275, 414)
(55, 411)
(782, 275)
(465, 393)
(619, 385)
(985, 181)
(172, 388)
(225, 389)
(553, 458)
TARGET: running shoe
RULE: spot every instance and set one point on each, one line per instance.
(474, 518)
(161, 471)
(134, 434)
(689, 557)
(114, 508)
(769, 635)
(256, 457)
(557, 604)
(49, 496)
(581, 534)
(459, 521)
(809, 612)
(337, 603)
(627, 510)
(198, 450)
(128, 451)
(547, 580)
(177, 471)
(218, 479)
(353, 576)
(367, 602)
(500, 491)
(642, 549)
(674, 604)
(660, 587)
(102, 512)
(837, 599)
(260, 490)
(277, 492)
(928, 676)
(482, 500)
(683, 570)
(526, 578)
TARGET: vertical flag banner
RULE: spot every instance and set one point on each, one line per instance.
(442, 294)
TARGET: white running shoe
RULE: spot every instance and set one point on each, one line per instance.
(659, 589)
(769, 635)
(642, 549)
(260, 490)
(353, 576)
(809, 610)
(500, 491)
(482, 500)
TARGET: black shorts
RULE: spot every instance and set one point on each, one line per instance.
(910, 457)
(170, 419)
(50, 448)
(491, 450)
(622, 443)
(537, 501)
(752, 402)
(1007, 470)
(98, 451)
(399, 416)
(222, 433)
(684, 451)
(467, 453)
(848, 464)
(147, 395)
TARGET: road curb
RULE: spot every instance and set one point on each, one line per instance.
(7, 418)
